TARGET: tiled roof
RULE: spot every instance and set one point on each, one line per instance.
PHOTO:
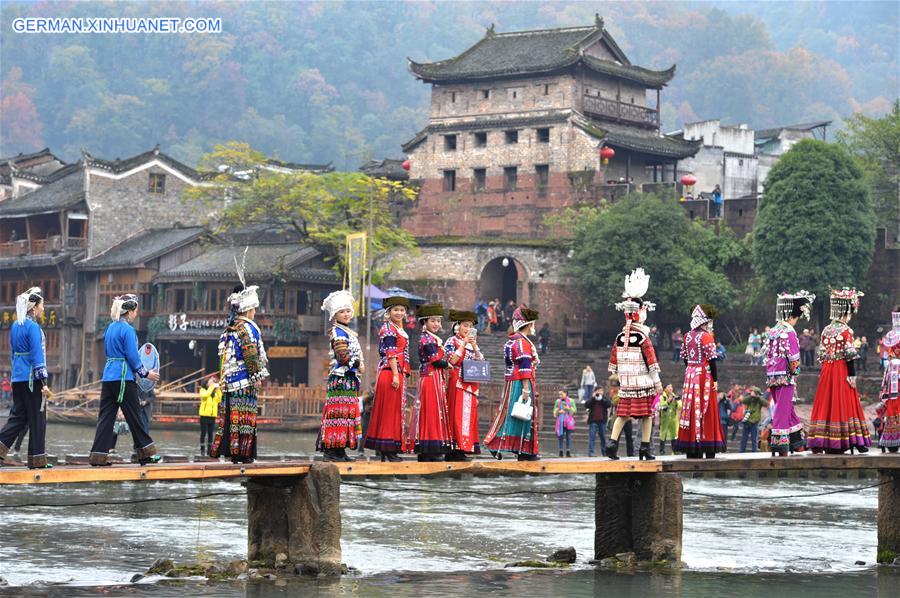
(41, 163)
(389, 168)
(141, 248)
(524, 53)
(118, 166)
(629, 138)
(263, 263)
(313, 168)
(64, 190)
(764, 135)
(34, 261)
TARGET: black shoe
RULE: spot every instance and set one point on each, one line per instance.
(612, 449)
(523, 457)
(332, 455)
(710, 454)
(150, 460)
(644, 452)
(392, 457)
(344, 456)
(568, 454)
(560, 453)
(862, 449)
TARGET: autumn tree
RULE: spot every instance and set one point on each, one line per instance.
(321, 208)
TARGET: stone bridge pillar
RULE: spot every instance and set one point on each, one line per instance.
(888, 516)
(298, 516)
(639, 513)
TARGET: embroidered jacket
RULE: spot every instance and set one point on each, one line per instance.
(393, 342)
(837, 343)
(27, 347)
(633, 359)
(698, 348)
(121, 345)
(520, 356)
(345, 351)
(782, 350)
(243, 355)
(430, 350)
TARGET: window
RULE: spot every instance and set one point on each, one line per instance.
(510, 177)
(452, 97)
(542, 173)
(480, 139)
(740, 161)
(157, 183)
(543, 135)
(181, 296)
(546, 89)
(449, 143)
(485, 94)
(449, 180)
(479, 179)
(512, 137)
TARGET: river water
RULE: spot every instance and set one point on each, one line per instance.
(416, 537)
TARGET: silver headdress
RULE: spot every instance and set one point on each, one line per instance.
(636, 285)
(794, 304)
(247, 298)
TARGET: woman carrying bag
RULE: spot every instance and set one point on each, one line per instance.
(515, 429)
(564, 413)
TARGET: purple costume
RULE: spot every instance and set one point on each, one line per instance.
(782, 351)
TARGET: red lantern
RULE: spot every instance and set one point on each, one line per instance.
(607, 154)
(406, 165)
(688, 180)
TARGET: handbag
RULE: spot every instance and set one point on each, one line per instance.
(475, 370)
(523, 409)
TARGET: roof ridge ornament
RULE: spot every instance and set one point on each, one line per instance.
(598, 21)
(490, 31)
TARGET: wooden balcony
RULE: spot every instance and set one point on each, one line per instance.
(628, 113)
(49, 246)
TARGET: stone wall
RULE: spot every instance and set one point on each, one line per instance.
(452, 274)
(540, 93)
(123, 207)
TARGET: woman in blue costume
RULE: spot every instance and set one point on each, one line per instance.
(119, 390)
(29, 380)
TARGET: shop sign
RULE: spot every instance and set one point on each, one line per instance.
(281, 352)
(182, 322)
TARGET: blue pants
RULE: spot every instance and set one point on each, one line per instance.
(595, 429)
(749, 430)
(567, 434)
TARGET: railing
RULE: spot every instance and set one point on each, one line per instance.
(76, 243)
(665, 190)
(620, 110)
(46, 246)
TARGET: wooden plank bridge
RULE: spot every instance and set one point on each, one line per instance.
(294, 506)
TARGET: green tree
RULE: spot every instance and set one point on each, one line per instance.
(815, 229)
(875, 143)
(322, 208)
(686, 260)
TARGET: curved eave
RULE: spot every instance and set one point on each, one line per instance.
(431, 72)
(637, 74)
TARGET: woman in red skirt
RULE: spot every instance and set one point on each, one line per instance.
(699, 427)
(385, 433)
(429, 428)
(462, 396)
(837, 422)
